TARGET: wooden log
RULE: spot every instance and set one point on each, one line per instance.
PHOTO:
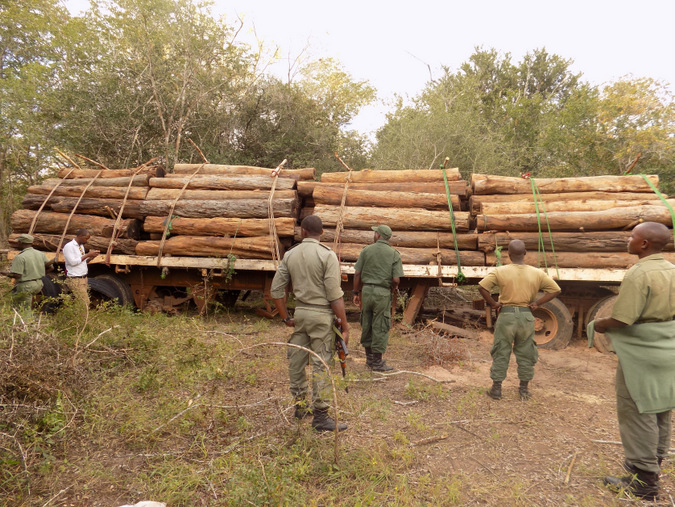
(613, 218)
(599, 241)
(223, 182)
(591, 260)
(102, 207)
(483, 184)
(49, 243)
(135, 193)
(387, 176)
(410, 239)
(195, 246)
(153, 170)
(221, 226)
(349, 252)
(411, 219)
(49, 222)
(140, 180)
(447, 329)
(459, 188)
(239, 208)
(385, 199)
(305, 173)
(529, 207)
(159, 194)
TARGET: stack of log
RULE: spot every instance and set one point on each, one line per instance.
(412, 202)
(590, 218)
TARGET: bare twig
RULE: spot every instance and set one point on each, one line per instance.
(405, 403)
(57, 495)
(399, 372)
(614, 442)
(193, 405)
(427, 441)
(201, 154)
(18, 444)
(569, 469)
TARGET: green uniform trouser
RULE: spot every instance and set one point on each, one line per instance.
(645, 437)
(514, 331)
(22, 298)
(375, 317)
(313, 330)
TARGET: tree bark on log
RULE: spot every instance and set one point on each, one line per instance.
(459, 188)
(153, 170)
(614, 218)
(349, 252)
(240, 208)
(600, 241)
(135, 193)
(476, 201)
(140, 180)
(411, 219)
(159, 194)
(448, 329)
(589, 260)
(305, 173)
(410, 239)
(384, 199)
(221, 226)
(223, 182)
(101, 207)
(529, 207)
(195, 246)
(385, 176)
(483, 184)
(53, 223)
(49, 243)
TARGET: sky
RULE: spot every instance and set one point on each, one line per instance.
(398, 46)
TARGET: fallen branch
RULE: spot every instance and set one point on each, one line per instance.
(405, 403)
(430, 440)
(415, 373)
(190, 407)
(569, 469)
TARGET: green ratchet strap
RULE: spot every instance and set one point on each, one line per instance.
(662, 197)
(460, 276)
(541, 248)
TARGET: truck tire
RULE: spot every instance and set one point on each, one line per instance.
(51, 290)
(553, 326)
(601, 341)
(111, 287)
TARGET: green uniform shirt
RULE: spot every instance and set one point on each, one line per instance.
(314, 271)
(379, 263)
(647, 292)
(30, 264)
(518, 284)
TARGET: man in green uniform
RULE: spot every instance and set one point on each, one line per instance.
(27, 269)
(377, 273)
(314, 272)
(518, 286)
(642, 331)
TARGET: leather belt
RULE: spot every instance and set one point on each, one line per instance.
(515, 309)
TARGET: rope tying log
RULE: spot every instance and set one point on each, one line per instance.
(339, 226)
(274, 238)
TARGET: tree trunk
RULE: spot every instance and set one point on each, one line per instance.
(135, 193)
(240, 208)
(614, 218)
(49, 243)
(385, 199)
(483, 184)
(223, 182)
(221, 226)
(306, 173)
(410, 219)
(214, 195)
(589, 260)
(195, 246)
(349, 252)
(54, 223)
(421, 239)
(503, 208)
(153, 170)
(385, 176)
(600, 241)
(140, 180)
(459, 188)
(102, 207)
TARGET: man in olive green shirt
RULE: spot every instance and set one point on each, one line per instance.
(514, 330)
(313, 271)
(642, 331)
(27, 269)
(377, 273)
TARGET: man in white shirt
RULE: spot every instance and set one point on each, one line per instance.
(76, 265)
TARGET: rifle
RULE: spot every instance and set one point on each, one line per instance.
(341, 347)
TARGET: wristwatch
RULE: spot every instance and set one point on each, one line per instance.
(286, 319)
(356, 292)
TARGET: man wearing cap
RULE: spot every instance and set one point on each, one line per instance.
(76, 265)
(27, 269)
(377, 273)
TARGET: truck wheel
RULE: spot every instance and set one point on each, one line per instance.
(601, 341)
(553, 325)
(49, 296)
(228, 298)
(112, 287)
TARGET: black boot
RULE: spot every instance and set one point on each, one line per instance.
(379, 364)
(495, 391)
(523, 391)
(369, 357)
(301, 408)
(640, 483)
(323, 422)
